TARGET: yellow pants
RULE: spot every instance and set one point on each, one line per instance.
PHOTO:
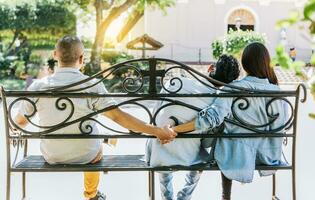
(92, 179)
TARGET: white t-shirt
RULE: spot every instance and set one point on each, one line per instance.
(67, 151)
(183, 152)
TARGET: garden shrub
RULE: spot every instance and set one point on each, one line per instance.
(234, 42)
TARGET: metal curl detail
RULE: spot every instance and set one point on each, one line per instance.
(110, 71)
(89, 128)
(133, 82)
(172, 83)
(173, 79)
(304, 99)
(245, 104)
(62, 106)
(172, 102)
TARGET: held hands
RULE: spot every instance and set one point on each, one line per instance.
(166, 134)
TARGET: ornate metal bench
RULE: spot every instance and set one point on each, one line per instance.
(139, 80)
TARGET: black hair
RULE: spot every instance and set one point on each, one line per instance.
(51, 64)
(227, 69)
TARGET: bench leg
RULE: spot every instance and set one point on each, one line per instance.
(24, 173)
(293, 184)
(274, 187)
(8, 189)
(151, 186)
(23, 186)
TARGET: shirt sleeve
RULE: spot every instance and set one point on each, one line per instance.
(213, 115)
(102, 102)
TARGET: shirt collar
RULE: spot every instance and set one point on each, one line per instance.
(256, 79)
(67, 69)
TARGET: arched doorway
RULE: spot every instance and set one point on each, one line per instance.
(242, 19)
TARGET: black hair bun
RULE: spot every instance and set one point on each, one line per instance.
(227, 69)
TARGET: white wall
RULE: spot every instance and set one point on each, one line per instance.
(191, 26)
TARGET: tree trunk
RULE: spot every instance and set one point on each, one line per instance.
(132, 21)
(16, 36)
(95, 62)
(114, 13)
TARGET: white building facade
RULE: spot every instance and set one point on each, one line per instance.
(189, 27)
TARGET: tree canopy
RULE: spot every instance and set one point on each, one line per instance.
(39, 24)
(107, 11)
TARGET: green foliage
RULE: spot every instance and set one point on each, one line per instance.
(158, 4)
(305, 16)
(4, 64)
(114, 57)
(37, 25)
(140, 4)
(217, 48)
(234, 42)
(36, 59)
(284, 60)
(309, 12)
(19, 68)
(293, 19)
(12, 84)
(42, 23)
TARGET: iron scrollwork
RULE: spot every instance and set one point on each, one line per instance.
(133, 81)
(243, 104)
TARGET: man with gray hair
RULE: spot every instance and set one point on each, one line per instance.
(69, 54)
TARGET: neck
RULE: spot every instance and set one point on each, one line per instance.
(74, 65)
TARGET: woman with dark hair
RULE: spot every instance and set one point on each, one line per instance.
(237, 158)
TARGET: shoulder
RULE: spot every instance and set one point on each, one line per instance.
(38, 84)
(253, 83)
(191, 85)
(98, 86)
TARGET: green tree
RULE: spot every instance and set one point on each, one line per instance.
(34, 24)
(107, 11)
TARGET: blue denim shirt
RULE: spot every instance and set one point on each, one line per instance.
(236, 157)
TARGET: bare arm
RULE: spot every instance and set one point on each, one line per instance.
(184, 128)
(131, 123)
(21, 120)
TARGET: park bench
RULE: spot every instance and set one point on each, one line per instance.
(137, 74)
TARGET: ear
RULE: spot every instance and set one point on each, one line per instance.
(55, 55)
(81, 59)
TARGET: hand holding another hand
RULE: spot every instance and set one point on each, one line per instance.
(166, 134)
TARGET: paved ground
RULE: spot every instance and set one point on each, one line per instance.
(133, 186)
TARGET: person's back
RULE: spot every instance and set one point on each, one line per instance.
(69, 150)
(184, 152)
(265, 151)
(76, 115)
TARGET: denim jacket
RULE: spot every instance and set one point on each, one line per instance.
(237, 157)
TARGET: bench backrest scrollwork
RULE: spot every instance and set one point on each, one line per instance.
(137, 82)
